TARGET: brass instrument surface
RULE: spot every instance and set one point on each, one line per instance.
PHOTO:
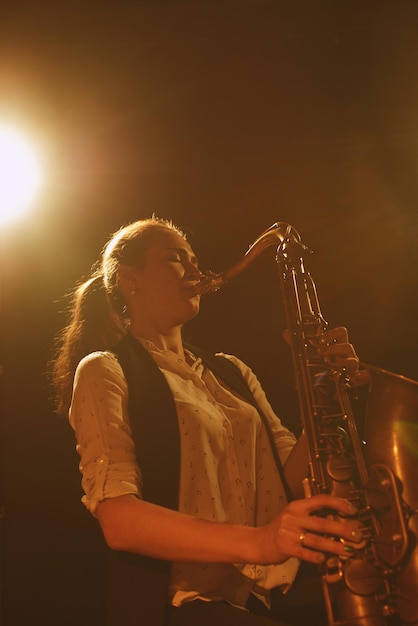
(391, 433)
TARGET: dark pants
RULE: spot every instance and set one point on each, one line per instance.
(302, 605)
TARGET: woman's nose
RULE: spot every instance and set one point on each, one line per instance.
(194, 272)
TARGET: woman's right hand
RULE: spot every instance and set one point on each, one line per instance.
(309, 529)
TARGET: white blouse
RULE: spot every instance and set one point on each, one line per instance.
(227, 472)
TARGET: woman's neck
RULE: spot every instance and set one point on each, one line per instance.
(171, 340)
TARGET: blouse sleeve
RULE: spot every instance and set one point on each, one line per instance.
(283, 437)
(98, 415)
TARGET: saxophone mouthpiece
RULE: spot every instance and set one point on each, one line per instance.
(210, 282)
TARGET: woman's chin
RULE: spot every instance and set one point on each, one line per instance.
(193, 307)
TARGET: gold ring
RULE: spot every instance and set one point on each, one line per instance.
(302, 538)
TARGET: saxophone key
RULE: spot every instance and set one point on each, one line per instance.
(333, 570)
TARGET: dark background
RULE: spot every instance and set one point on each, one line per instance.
(226, 117)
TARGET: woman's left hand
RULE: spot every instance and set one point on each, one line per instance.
(337, 351)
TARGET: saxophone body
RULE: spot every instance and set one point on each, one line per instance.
(362, 590)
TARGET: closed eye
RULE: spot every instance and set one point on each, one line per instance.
(182, 255)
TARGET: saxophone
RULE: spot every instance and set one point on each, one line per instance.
(363, 590)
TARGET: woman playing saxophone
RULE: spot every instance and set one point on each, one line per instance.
(219, 500)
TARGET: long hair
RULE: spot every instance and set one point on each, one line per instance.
(97, 313)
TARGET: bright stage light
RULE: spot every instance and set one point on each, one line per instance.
(20, 174)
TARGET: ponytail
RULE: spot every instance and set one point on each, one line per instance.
(96, 323)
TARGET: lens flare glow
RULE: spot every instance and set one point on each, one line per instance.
(408, 435)
(20, 174)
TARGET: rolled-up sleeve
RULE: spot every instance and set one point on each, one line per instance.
(98, 415)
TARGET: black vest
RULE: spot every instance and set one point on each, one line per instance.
(154, 425)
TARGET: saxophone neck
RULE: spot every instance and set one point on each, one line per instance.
(277, 235)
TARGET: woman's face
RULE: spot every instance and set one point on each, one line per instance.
(165, 283)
